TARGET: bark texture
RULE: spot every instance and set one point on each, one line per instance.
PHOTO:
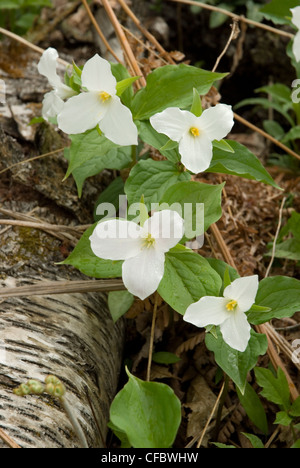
(70, 335)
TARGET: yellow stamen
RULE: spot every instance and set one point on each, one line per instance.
(104, 96)
(231, 305)
(148, 241)
(195, 131)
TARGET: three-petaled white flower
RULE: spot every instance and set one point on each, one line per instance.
(296, 22)
(142, 247)
(195, 134)
(54, 100)
(99, 105)
(228, 311)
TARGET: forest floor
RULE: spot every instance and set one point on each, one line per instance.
(251, 210)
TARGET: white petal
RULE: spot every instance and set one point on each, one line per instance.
(167, 227)
(209, 310)
(81, 113)
(216, 121)
(142, 274)
(116, 239)
(173, 122)
(97, 76)
(243, 290)
(236, 331)
(117, 124)
(296, 47)
(47, 66)
(296, 16)
(52, 105)
(196, 152)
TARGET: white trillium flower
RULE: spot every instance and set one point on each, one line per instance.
(142, 248)
(99, 105)
(228, 311)
(54, 101)
(195, 134)
(296, 22)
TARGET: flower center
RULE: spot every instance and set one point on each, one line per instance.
(231, 305)
(194, 131)
(148, 241)
(104, 96)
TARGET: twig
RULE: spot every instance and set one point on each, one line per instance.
(144, 31)
(266, 135)
(74, 421)
(130, 58)
(23, 41)
(34, 158)
(211, 416)
(152, 337)
(233, 35)
(99, 32)
(8, 440)
(45, 288)
(233, 15)
(276, 237)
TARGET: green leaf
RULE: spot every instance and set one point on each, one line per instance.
(296, 444)
(295, 408)
(283, 418)
(187, 277)
(278, 91)
(223, 145)
(254, 407)
(241, 163)
(149, 413)
(151, 179)
(275, 389)
(196, 108)
(190, 196)
(278, 11)
(109, 196)
(289, 249)
(266, 104)
(119, 302)
(171, 86)
(255, 441)
(158, 141)
(86, 261)
(281, 294)
(234, 363)
(124, 82)
(87, 146)
(221, 267)
(292, 135)
(163, 357)
(223, 446)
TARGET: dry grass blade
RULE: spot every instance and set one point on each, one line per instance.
(8, 441)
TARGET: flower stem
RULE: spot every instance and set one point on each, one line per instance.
(74, 421)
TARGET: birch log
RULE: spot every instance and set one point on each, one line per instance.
(69, 335)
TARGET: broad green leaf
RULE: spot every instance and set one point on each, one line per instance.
(255, 441)
(221, 268)
(274, 129)
(187, 277)
(278, 91)
(157, 140)
(119, 302)
(275, 389)
(196, 108)
(124, 82)
(149, 413)
(292, 135)
(190, 195)
(278, 11)
(87, 146)
(283, 418)
(118, 158)
(171, 86)
(111, 195)
(223, 145)
(254, 407)
(234, 363)
(151, 179)
(86, 261)
(289, 249)
(241, 163)
(296, 444)
(281, 294)
(163, 357)
(266, 104)
(292, 226)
